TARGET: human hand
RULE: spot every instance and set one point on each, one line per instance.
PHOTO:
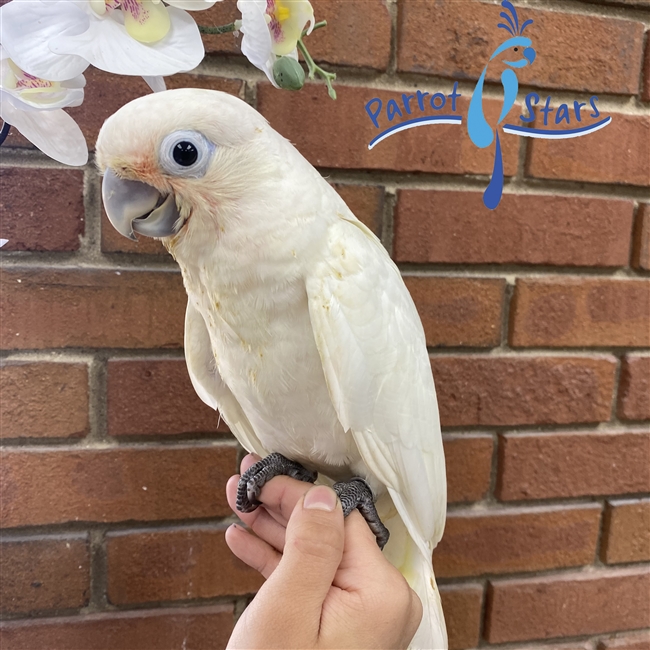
(327, 583)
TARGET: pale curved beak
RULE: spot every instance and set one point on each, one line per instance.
(135, 206)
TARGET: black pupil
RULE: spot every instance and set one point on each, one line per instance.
(516, 49)
(185, 153)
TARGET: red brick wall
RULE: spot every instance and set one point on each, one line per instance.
(537, 316)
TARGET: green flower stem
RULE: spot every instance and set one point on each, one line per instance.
(322, 23)
(221, 29)
(313, 69)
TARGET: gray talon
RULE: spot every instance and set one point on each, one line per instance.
(356, 494)
(255, 477)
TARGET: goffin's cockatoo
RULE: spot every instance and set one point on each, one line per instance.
(299, 328)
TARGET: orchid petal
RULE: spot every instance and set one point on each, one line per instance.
(256, 42)
(55, 133)
(26, 27)
(3, 242)
(192, 5)
(39, 102)
(108, 46)
(157, 84)
(289, 18)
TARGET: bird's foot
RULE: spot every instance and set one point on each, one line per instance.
(357, 494)
(254, 478)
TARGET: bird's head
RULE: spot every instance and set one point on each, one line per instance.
(516, 52)
(169, 155)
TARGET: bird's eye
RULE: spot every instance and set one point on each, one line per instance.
(186, 153)
(516, 49)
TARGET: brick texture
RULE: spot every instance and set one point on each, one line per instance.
(454, 39)
(43, 574)
(469, 466)
(41, 209)
(198, 628)
(641, 245)
(461, 605)
(128, 483)
(634, 388)
(453, 227)
(513, 540)
(543, 466)
(459, 311)
(91, 308)
(493, 390)
(178, 564)
(627, 532)
(553, 606)
(580, 312)
(43, 400)
(611, 155)
(344, 131)
(156, 397)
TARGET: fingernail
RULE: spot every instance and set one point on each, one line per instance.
(320, 498)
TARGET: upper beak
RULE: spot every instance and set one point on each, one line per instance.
(530, 54)
(135, 206)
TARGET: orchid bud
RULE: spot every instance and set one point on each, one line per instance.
(288, 73)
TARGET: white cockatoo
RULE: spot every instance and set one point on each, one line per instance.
(299, 328)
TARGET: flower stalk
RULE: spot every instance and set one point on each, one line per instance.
(314, 69)
(221, 29)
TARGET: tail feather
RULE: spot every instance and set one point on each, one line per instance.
(405, 554)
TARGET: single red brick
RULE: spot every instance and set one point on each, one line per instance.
(41, 209)
(469, 466)
(634, 388)
(140, 483)
(456, 39)
(443, 226)
(47, 573)
(177, 564)
(461, 605)
(627, 531)
(570, 604)
(43, 400)
(507, 390)
(345, 129)
(459, 311)
(552, 465)
(641, 244)
(366, 202)
(560, 312)
(357, 33)
(195, 628)
(637, 641)
(511, 540)
(46, 308)
(155, 397)
(617, 153)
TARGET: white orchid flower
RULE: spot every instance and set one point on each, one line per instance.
(271, 29)
(57, 39)
(34, 107)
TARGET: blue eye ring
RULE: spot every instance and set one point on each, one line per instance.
(186, 154)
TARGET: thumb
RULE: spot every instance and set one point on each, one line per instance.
(313, 548)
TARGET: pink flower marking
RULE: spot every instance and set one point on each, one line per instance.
(138, 12)
(30, 81)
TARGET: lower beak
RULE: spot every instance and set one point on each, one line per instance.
(134, 206)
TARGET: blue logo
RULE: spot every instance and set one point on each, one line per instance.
(517, 53)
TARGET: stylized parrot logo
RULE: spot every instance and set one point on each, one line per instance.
(480, 132)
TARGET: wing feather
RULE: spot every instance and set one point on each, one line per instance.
(374, 355)
(209, 385)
